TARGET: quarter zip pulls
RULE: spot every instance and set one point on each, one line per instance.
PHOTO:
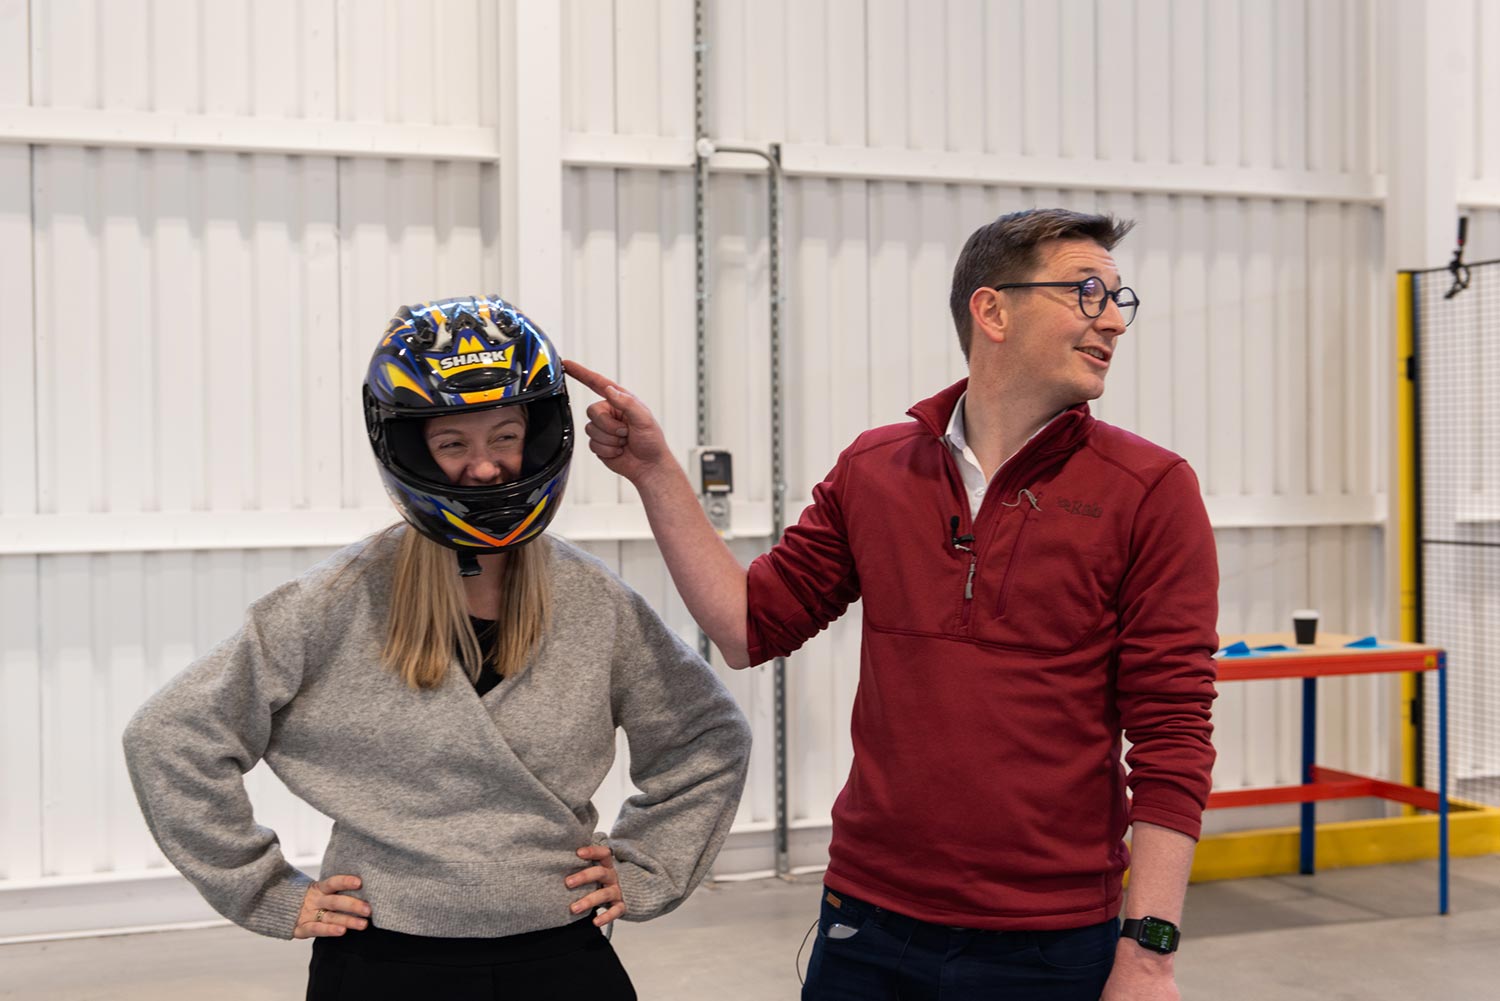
(961, 542)
(1023, 494)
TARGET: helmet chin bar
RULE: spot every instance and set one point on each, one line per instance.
(468, 565)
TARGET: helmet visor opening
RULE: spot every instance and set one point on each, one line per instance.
(544, 439)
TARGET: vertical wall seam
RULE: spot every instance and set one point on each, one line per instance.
(30, 67)
(38, 857)
(338, 250)
(1308, 138)
(868, 199)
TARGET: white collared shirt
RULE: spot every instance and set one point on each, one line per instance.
(968, 463)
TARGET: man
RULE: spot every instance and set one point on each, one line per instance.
(1036, 583)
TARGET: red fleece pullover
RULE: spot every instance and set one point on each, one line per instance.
(987, 789)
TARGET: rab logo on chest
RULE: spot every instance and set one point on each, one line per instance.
(1081, 508)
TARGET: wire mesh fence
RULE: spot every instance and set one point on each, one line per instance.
(1457, 352)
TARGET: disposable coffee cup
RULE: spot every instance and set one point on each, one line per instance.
(1305, 624)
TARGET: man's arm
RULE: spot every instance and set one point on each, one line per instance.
(1160, 860)
(1164, 691)
(625, 436)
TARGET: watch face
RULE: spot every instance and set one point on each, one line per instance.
(1158, 935)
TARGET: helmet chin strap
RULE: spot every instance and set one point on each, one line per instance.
(468, 565)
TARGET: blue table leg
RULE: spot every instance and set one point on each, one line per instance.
(1309, 747)
(1442, 680)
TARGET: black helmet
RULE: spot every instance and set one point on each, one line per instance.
(457, 356)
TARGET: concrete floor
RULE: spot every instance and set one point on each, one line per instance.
(1366, 934)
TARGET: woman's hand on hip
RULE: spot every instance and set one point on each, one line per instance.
(325, 911)
(602, 872)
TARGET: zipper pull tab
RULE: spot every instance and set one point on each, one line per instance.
(1023, 492)
(969, 584)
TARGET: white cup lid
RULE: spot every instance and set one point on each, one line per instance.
(1305, 613)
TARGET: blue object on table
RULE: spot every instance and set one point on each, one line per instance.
(1366, 643)
(1243, 649)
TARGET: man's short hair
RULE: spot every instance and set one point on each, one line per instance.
(1006, 251)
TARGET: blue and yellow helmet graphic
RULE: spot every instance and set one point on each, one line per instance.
(461, 355)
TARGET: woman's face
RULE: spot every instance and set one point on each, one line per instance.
(478, 449)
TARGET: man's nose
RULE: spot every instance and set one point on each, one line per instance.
(1112, 320)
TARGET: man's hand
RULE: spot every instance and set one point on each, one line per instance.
(608, 895)
(1140, 975)
(624, 435)
(327, 912)
(621, 430)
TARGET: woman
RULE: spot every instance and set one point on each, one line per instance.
(448, 692)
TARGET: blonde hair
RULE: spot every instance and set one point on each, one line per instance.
(430, 612)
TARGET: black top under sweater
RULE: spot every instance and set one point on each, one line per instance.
(487, 630)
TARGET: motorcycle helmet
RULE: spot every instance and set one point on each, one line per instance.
(464, 355)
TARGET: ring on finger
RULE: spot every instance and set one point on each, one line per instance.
(319, 915)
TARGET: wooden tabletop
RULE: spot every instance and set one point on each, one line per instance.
(1329, 655)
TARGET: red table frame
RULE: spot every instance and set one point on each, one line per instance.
(1328, 657)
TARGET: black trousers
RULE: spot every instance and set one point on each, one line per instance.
(574, 961)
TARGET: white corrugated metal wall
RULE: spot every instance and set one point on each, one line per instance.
(1479, 145)
(209, 209)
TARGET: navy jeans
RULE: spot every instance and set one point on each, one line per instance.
(891, 957)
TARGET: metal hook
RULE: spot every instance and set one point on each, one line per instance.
(1457, 267)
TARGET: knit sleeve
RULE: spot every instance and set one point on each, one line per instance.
(1166, 671)
(689, 751)
(188, 748)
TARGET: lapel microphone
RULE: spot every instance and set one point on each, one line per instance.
(959, 541)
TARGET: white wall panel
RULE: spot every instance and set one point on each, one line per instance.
(1485, 142)
(630, 67)
(1484, 235)
(1195, 312)
(589, 97)
(20, 666)
(407, 61)
(1479, 149)
(591, 320)
(21, 745)
(177, 286)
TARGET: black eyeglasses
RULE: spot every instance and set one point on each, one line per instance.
(1092, 295)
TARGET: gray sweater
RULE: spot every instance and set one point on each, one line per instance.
(460, 814)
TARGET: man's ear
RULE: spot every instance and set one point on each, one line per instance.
(989, 315)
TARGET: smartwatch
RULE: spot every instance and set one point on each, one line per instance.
(1152, 933)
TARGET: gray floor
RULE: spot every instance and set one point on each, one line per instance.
(1369, 934)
